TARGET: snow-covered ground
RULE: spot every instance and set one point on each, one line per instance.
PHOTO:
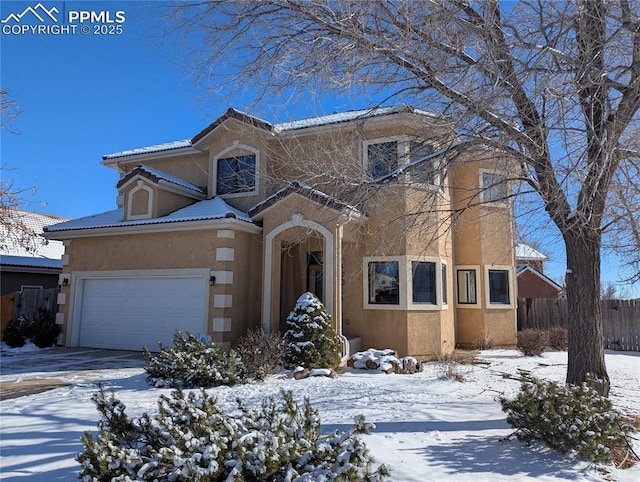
(429, 427)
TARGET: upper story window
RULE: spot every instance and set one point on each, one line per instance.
(382, 158)
(235, 171)
(495, 187)
(426, 172)
(236, 174)
(385, 155)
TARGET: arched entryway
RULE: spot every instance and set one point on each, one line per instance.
(299, 257)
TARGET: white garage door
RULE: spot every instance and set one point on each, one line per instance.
(129, 313)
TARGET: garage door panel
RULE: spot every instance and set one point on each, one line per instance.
(129, 313)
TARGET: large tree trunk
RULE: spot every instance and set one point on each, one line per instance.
(586, 343)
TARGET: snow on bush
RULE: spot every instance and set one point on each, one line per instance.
(384, 361)
(572, 418)
(192, 439)
(193, 363)
(311, 341)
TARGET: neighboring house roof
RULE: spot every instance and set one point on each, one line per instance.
(37, 251)
(524, 252)
(523, 268)
(267, 126)
(159, 177)
(209, 209)
(297, 187)
(30, 262)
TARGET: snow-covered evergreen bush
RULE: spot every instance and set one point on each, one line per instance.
(192, 439)
(311, 340)
(260, 352)
(572, 418)
(193, 363)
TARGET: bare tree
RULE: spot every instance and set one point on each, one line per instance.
(554, 85)
(13, 228)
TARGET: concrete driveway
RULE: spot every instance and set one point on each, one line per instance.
(25, 373)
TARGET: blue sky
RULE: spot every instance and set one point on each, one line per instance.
(83, 96)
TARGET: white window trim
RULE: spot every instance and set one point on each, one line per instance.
(445, 304)
(224, 153)
(438, 305)
(405, 284)
(403, 149)
(140, 186)
(511, 274)
(468, 267)
(488, 203)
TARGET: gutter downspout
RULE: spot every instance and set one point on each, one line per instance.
(337, 285)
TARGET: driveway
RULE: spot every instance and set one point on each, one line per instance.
(25, 373)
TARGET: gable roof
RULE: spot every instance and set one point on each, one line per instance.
(262, 124)
(38, 251)
(210, 209)
(159, 177)
(523, 268)
(524, 252)
(298, 187)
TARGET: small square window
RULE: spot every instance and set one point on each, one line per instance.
(467, 294)
(236, 174)
(384, 283)
(424, 282)
(382, 158)
(499, 287)
(495, 187)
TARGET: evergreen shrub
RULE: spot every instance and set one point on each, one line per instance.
(311, 340)
(192, 439)
(573, 418)
(42, 331)
(193, 363)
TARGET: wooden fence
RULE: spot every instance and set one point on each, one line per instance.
(26, 303)
(620, 319)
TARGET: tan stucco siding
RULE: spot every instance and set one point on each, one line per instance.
(191, 168)
(168, 202)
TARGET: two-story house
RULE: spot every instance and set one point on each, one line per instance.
(404, 233)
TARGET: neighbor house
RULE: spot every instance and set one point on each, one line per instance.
(27, 259)
(401, 230)
(532, 282)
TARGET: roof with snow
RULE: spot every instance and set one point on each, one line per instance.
(159, 177)
(265, 125)
(22, 241)
(167, 146)
(208, 209)
(298, 187)
(30, 261)
(524, 252)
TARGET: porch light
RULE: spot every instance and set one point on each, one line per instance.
(212, 280)
(65, 282)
